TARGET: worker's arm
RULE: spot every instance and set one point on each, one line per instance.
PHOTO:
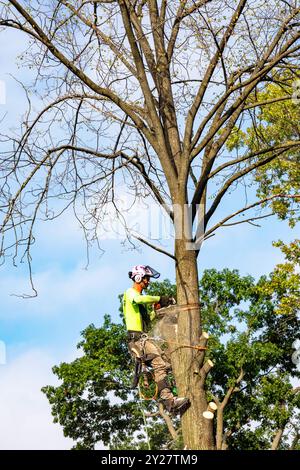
(146, 299)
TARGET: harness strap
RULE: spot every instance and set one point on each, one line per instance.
(162, 384)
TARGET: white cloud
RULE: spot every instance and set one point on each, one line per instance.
(25, 414)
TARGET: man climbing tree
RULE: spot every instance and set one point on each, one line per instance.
(253, 327)
(137, 318)
(145, 96)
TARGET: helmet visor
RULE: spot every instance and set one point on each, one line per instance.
(152, 272)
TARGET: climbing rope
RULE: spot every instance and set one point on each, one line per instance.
(199, 348)
(148, 388)
(181, 308)
(182, 345)
(144, 419)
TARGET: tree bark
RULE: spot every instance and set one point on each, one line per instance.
(277, 439)
(187, 362)
(220, 427)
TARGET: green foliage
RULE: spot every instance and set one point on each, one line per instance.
(250, 439)
(259, 345)
(164, 287)
(275, 124)
(157, 435)
(284, 283)
(236, 139)
(221, 292)
(94, 402)
(248, 339)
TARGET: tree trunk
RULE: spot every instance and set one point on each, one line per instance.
(220, 428)
(277, 439)
(187, 362)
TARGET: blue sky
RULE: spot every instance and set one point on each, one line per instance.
(44, 331)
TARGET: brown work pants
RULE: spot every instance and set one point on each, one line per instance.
(155, 357)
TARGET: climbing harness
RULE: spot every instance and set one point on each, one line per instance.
(143, 375)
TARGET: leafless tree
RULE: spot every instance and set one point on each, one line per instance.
(145, 94)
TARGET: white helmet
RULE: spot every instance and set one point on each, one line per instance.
(138, 272)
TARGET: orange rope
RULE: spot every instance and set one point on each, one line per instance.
(187, 307)
(181, 307)
(200, 348)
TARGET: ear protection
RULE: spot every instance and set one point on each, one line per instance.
(138, 278)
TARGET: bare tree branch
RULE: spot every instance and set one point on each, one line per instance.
(251, 206)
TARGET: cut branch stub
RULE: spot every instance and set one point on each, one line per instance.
(203, 343)
(206, 367)
(211, 408)
(204, 338)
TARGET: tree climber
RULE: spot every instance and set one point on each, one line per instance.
(138, 317)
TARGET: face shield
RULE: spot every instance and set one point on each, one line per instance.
(152, 272)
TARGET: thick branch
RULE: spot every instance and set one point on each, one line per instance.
(165, 92)
(154, 247)
(220, 412)
(277, 438)
(232, 389)
(160, 145)
(168, 422)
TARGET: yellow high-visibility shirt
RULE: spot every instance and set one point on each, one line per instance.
(135, 309)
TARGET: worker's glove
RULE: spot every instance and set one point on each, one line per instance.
(165, 301)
